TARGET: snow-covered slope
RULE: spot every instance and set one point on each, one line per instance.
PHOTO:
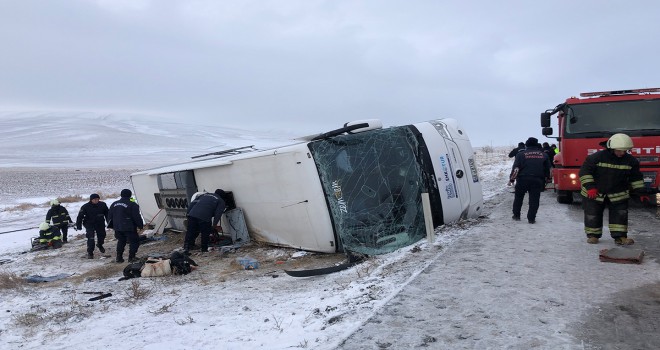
(90, 140)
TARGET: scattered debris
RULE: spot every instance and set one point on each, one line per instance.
(39, 278)
(622, 255)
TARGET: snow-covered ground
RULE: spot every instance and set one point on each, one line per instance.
(488, 283)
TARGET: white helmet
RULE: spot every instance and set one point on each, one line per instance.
(44, 226)
(621, 142)
(54, 202)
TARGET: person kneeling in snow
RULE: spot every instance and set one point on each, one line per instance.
(49, 236)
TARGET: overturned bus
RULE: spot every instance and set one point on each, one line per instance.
(355, 189)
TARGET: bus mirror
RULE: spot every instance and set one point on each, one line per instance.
(545, 119)
(546, 131)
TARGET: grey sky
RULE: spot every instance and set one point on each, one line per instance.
(313, 65)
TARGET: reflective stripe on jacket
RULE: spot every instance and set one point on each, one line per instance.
(613, 176)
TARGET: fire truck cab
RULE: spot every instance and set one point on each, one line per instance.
(584, 122)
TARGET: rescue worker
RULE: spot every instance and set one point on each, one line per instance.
(49, 236)
(550, 152)
(204, 214)
(126, 220)
(521, 146)
(60, 218)
(93, 215)
(530, 171)
(605, 177)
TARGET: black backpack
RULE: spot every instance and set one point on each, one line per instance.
(181, 264)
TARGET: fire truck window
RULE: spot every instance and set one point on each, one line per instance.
(373, 185)
(631, 117)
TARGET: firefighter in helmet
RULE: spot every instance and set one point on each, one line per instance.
(49, 236)
(60, 218)
(606, 177)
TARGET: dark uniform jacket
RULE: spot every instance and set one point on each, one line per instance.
(532, 162)
(207, 206)
(611, 175)
(91, 215)
(125, 216)
(515, 151)
(59, 215)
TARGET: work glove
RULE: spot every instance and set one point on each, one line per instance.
(592, 193)
(644, 199)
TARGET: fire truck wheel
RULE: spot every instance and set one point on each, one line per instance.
(565, 197)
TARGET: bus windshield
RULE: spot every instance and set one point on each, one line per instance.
(635, 118)
(373, 183)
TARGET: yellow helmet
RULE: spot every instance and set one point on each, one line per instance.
(54, 202)
(44, 226)
(621, 142)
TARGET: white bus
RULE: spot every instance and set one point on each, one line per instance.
(355, 189)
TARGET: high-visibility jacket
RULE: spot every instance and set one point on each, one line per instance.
(613, 176)
(59, 215)
(51, 234)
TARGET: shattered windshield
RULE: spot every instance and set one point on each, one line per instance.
(635, 118)
(372, 182)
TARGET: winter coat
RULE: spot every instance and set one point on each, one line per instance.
(515, 151)
(532, 162)
(59, 215)
(92, 215)
(53, 233)
(125, 216)
(611, 175)
(551, 154)
(207, 207)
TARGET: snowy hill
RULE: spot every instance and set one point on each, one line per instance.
(89, 140)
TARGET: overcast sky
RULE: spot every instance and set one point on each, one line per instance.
(313, 65)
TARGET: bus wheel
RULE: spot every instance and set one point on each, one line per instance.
(565, 197)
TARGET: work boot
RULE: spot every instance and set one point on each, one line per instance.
(624, 241)
(90, 256)
(592, 240)
(119, 259)
(132, 259)
(516, 217)
(531, 221)
(101, 249)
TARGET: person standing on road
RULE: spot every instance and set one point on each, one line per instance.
(93, 215)
(530, 170)
(126, 220)
(204, 214)
(60, 217)
(606, 177)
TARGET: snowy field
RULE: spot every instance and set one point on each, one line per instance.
(488, 283)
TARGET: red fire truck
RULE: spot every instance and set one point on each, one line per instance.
(585, 121)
